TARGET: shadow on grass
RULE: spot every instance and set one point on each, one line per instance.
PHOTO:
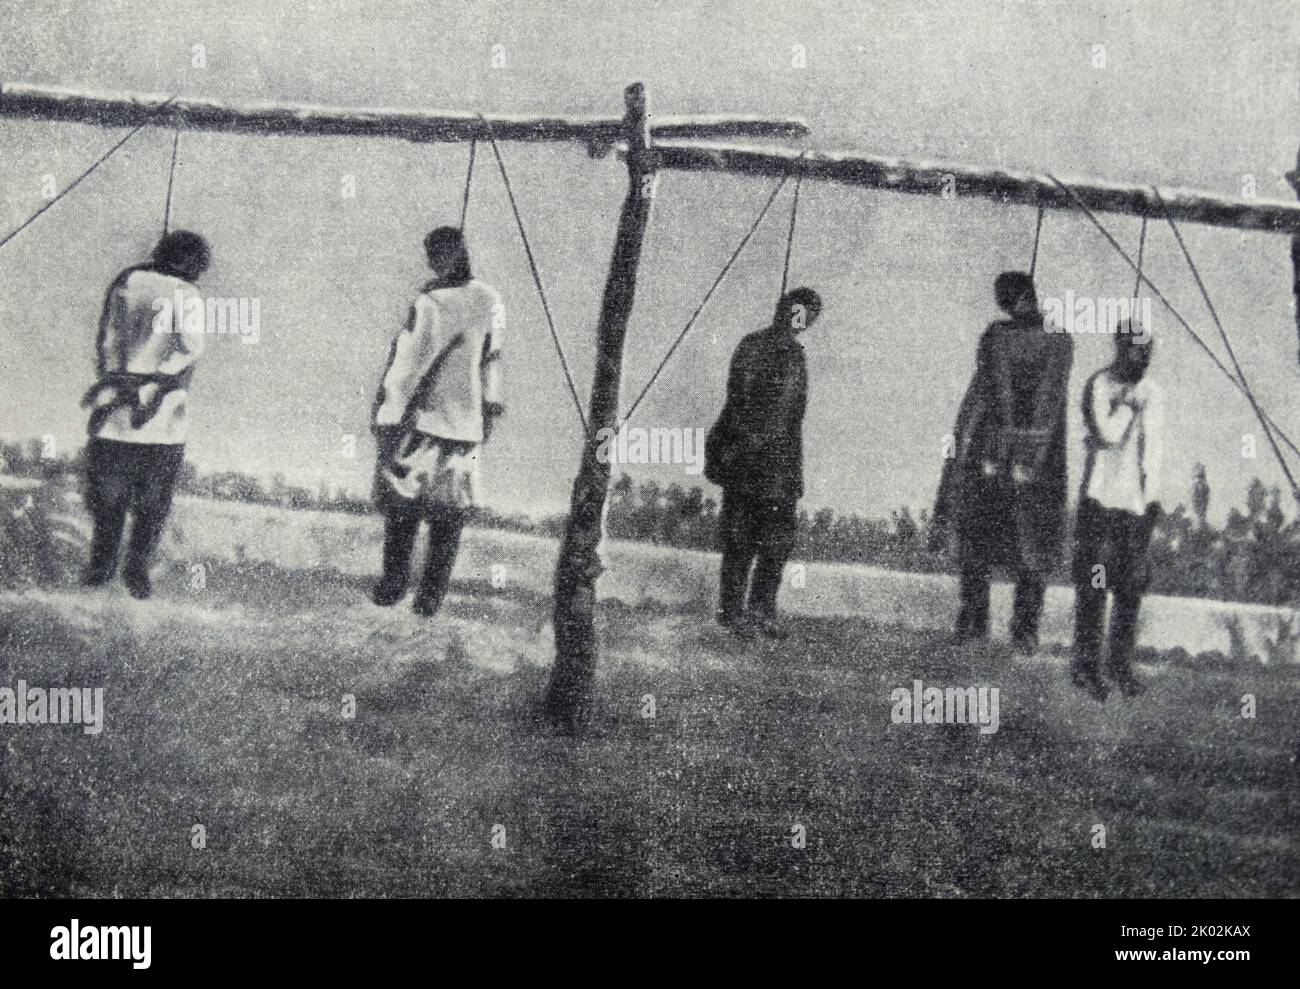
(328, 747)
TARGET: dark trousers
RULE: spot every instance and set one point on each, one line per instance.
(754, 529)
(1110, 554)
(973, 618)
(401, 524)
(993, 537)
(128, 477)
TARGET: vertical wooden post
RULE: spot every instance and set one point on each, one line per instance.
(1294, 179)
(568, 699)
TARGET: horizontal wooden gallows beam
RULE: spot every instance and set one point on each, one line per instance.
(957, 181)
(56, 103)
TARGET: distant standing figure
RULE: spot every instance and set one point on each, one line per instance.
(1118, 509)
(151, 332)
(755, 452)
(436, 407)
(1003, 489)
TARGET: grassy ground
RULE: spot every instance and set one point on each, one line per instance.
(225, 709)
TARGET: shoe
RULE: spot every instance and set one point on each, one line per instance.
(90, 577)
(769, 627)
(963, 634)
(425, 607)
(138, 585)
(387, 594)
(1090, 681)
(1025, 645)
(1129, 685)
(736, 625)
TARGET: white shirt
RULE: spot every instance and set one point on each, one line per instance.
(451, 346)
(152, 324)
(1125, 436)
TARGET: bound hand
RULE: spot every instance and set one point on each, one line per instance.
(937, 540)
(1126, 397)
(491, 412)
(387, 440)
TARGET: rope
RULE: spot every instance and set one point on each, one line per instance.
(171, 178)
(789, 240)
(1142, 243)
(77, 181)
(537, 278)
(1168, 305)
(1232, 356)
(469, 178)
(707, 296)
(1038, 229)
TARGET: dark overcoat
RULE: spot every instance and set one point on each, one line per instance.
(1012, 421)
(756, 446)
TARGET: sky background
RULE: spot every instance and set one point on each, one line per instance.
(1197, 94)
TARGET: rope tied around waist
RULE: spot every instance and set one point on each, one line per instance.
(126, 387)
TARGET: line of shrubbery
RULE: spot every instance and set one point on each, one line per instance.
(1254, 556)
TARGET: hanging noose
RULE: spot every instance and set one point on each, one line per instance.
(1142, 243)
(1038, 230)
(789, 240)
(171, 179)
(469, 179)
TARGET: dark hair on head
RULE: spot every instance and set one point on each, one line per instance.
(1133, 333)
(446, 251)
(1134, 348)
(1009, 286)
(798, 308)
(182, 253)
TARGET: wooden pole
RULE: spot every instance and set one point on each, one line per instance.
(1294, 179)
(105, 109)
(1022, 188)
(568, 698)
